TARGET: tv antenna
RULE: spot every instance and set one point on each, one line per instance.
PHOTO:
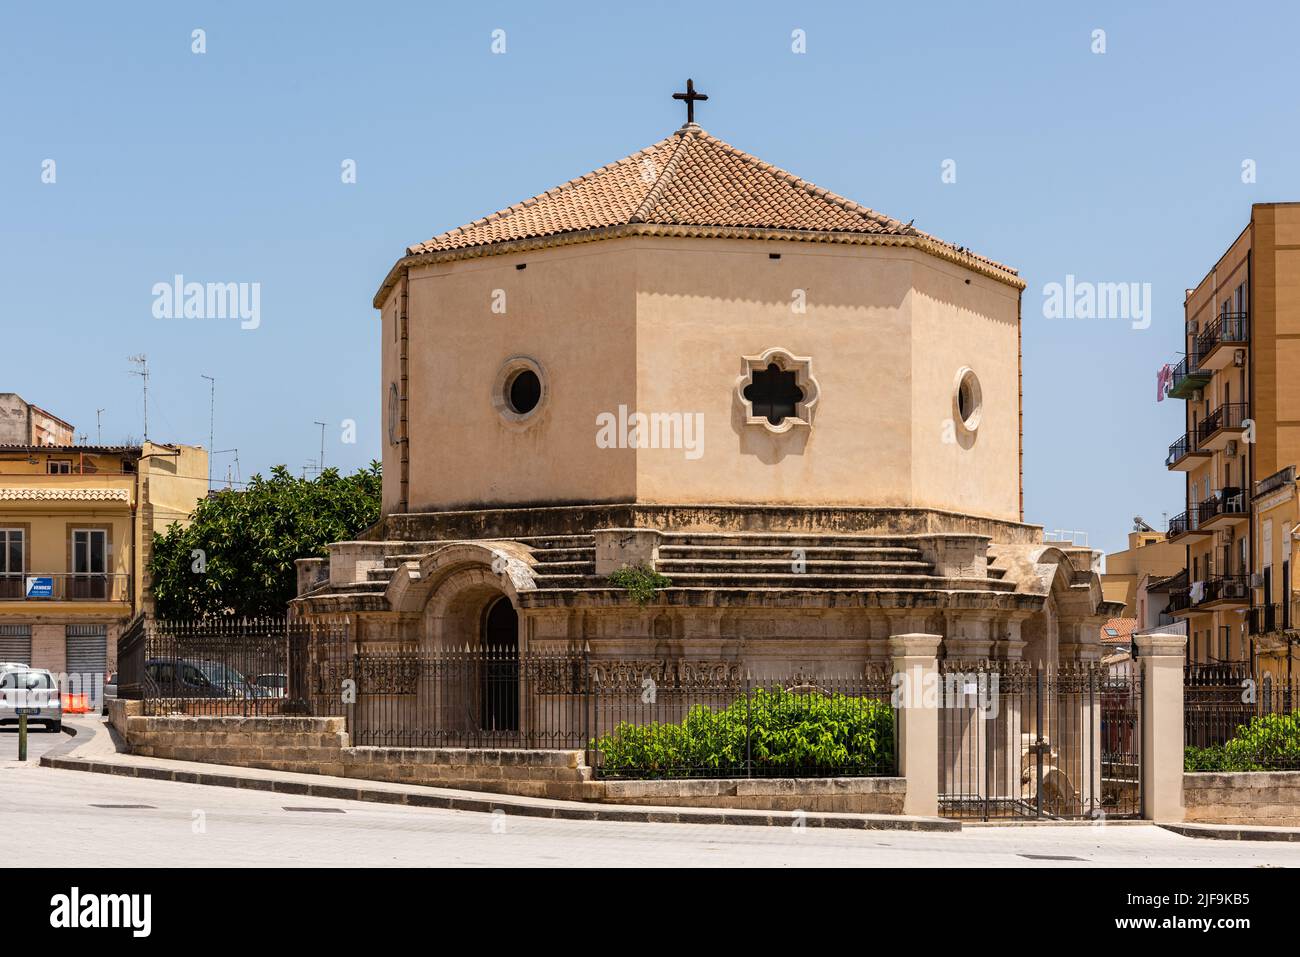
(320, 463)
(142, 361)
(212, 418)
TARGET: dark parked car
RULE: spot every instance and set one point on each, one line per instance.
(195, 678)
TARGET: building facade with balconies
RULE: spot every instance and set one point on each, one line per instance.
(76, 527)
(1240, 378)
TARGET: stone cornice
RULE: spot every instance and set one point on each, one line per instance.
(922, 243)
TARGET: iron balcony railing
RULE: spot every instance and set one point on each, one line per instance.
(1180, 599)
(36, 587)
(1181, 447)
(1230, 415)
(1183, 522)
(1227, 501)
(1230, 328)
(1226, 588)
(1188, 376)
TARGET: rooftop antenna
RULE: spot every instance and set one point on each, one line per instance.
(321, 461)
(99, 427)
(142, 361)
(238, 477)
(212, 418)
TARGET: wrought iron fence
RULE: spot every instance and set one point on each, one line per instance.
(1023, 742)
(642, 718)
(635, 718)
(1236, 720)
(221, 666)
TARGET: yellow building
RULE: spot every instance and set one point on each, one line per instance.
(1241, 443)
(1148, 554)
(76, 527)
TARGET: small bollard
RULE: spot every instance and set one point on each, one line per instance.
(22, 737)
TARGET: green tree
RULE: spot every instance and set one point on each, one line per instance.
(236, 556)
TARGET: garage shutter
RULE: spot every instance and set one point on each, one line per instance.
(16, 643)
(87, 647)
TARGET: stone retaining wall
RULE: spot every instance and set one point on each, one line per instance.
(1253, 797)
(848, 795)
(320, 746)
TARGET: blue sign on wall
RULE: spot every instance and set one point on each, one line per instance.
(39, 586)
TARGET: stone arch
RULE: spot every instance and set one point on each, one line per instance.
(1071, 601)
(451, 588)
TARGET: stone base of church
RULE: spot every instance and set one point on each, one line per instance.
(780, 589)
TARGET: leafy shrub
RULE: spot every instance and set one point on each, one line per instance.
(787, 733)
(1269, 741)
(642, 583)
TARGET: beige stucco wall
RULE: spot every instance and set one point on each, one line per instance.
(572, 310)
(660, 325)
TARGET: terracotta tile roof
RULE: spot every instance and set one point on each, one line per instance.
(690, 179)
(64, 495)
(1123, 628)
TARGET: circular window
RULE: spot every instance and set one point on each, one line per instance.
(524, 391)
(520, 390)
(967, 400)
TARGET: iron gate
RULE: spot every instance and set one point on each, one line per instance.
(1017, 741)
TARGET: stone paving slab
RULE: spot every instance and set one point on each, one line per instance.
(97, 749)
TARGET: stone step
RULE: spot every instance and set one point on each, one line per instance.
(902, 553)
(785, 540)
(559, 546)
(785, 565)
(566, 568)
(714, 580)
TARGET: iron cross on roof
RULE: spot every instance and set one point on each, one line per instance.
(690, 96)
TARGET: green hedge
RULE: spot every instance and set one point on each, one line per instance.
(1269, 742)
(788, 733)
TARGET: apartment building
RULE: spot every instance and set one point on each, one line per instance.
(1149, 557)
(76, 526)
(1240, 379)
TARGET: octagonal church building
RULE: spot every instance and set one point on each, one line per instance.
(803, 414)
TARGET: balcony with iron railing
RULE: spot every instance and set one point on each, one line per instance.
(1226, 423)
(1225, 508)
(1224, 591)
(43, 587)
(1219, 341)
(1185, 525)
(1185, 454)
(1189, 377)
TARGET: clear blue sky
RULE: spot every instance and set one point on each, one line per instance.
(225, 166)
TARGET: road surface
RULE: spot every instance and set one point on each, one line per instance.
(95, 819)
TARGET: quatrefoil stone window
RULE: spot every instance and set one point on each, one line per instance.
(777, 390)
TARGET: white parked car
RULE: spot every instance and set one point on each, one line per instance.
(33, 692)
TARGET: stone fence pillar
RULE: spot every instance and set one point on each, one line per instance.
(916, 669)
(1161, 660)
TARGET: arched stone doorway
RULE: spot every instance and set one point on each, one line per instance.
(499, 675)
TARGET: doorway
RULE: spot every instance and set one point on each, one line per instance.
(499, 675)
